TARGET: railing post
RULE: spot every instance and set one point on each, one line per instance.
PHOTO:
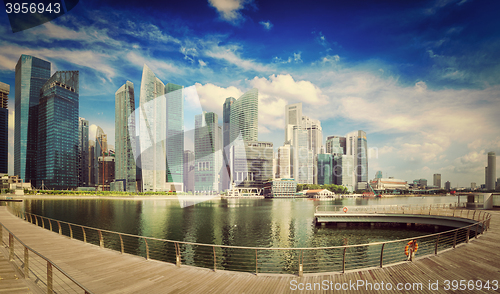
(50, 223)
(11, 247)
(70, 231)
(479, 216)
(36, 220)
(1, 234)
(101, 241)
(468, 213)
(121, 243)
(382, 255)
(301, 266)
(467, 235)
(455, 239)
(436, 247)
(147, 248)
(26, 263)
(49, 278)
(215, 259)
(84, 235)
(256, 262)
(474, 214)
(476, 231)
(43, 223)
(59, 226)
(177, 254)
(343, 260)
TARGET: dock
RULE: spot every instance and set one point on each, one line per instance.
(107, 271)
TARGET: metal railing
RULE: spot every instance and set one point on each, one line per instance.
(273, 260)
(387, 208)
(33, 265)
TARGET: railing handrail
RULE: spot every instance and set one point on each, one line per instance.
(262, 248)
(402, 206)
(47, 260)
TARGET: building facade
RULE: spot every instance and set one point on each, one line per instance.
(175, 133)
(447, 186)
(57, 144)
(437, 180)
(280, 188)
(284, 164)
(253, 164)
(293, 117)
(325, 169)
(226, 135)
(244, 117)
(344, 171)
(357, 146)
(4, 128)
(208, 155)
(83, 152)
(302, 158)
(335, 145)
(491, 171)
(125, 166)
(31, 74)
(188, 170)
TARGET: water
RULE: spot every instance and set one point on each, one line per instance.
(268, 223)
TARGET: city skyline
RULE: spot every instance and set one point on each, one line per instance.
(426, 97)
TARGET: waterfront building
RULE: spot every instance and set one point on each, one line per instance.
(31, 74)
(336, 145)
(207, 152)
(83, 152)
(473, 186)
(491, 171)
(92, 164)
(226, 134)
(382, 184)
(356, 145)
(153, 129)
(293, 117)
(325, 169)
(100, 149)
(283, 187)
(314, 133)
(253, 164)
(301, 157)
(447, 186)
(106, 172)
(57, 144)
(378, 175)
(174, 142)
(188, 169)
(125, 166)
(344, 172)
(244, 117)
(284, 164)
(4, 128)
(437, 180)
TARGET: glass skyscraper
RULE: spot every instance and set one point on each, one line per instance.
(125, 167)
(253, 164)
(207, 152)
(325, 169)
(57, 152)
(31, 75)
(83, 152)
(226, 133)
(356, 145)
(244, 117)
(4, 128)
(175, 133)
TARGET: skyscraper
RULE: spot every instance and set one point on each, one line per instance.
(293, 117)
(83, 152)
(188, 171)
(31, 75)
(100, 149)
(447, 186)
(175, 133)
(356, 145)
(325, 169)
(253, 164)
(437, 180)
(57, 144)
(244, 117)
(4, 128)
(302, 158)
(491, 172)
(336, 145)
(314, 133)
(344, 171)
(207, 152)
(226, 133)
(153, 131)
(125, 167)
(284, 164)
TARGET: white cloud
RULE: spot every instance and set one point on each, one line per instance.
(229, 10)
(229, 54)
(212, 97)
(266, 24)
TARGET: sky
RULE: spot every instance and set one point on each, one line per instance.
(421, 78)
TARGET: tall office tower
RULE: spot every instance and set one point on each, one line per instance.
(31, 75)
(100, 149)
(125, 167)
(293, 117)
(83, 152)
(314, 132)
(153, 130)
(175, 133)
(356, 145)
(344, 171)
(4, 128)
(325, 169)
(284, 164)
(253, 164)
(57, 145)
(226, 133)
(491, 172)
(92, 160)
(208, 156)
(244, 117)
(302, 157)
(437, 180)
(106, 172)
(336, 145)
(447, 186)
(378, 175)
(188, 170)
(473, 186)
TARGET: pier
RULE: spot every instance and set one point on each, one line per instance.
(101, 270)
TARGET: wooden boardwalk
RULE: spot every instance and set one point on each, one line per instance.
(107, 271)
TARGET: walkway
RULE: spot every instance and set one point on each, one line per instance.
(107, 271)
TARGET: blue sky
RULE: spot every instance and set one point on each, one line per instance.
(420, 77)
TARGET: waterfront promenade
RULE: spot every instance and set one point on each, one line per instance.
(107, 271)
